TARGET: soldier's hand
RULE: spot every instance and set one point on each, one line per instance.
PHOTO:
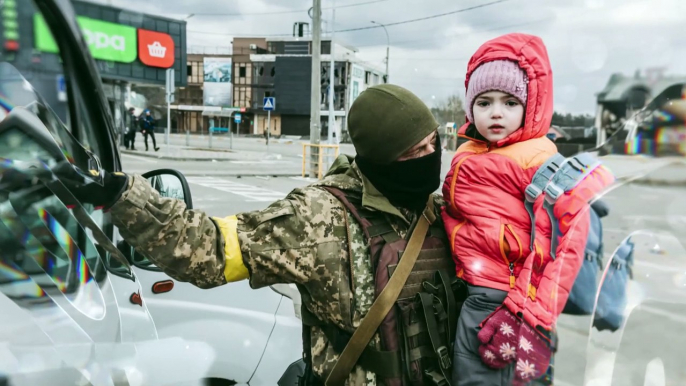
(87, 190)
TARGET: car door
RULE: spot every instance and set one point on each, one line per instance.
(235, 320)
(86, 316)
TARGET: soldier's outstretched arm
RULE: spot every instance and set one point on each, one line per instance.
(184, 243)
(278, 244)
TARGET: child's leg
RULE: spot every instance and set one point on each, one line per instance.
(468, 369)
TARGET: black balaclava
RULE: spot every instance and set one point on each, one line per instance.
(408, 183)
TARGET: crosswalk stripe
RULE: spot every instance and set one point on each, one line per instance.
(252, 193)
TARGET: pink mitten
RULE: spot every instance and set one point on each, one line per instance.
(498, 337)
(533, 355)
(504, 338)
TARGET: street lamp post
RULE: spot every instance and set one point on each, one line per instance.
(388, 48)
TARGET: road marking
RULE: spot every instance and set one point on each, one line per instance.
(663, 313)
(252, 193)
(144, 159)
(658, 267)
(262, 162)
(305, 179)
(671, 220)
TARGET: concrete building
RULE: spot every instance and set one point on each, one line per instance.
(281, 68)
(189, 108)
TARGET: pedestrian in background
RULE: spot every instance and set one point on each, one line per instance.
(148, 129)
(131, 126)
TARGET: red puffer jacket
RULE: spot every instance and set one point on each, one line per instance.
(485, 218)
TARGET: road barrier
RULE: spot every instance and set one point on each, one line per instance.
(326, 154)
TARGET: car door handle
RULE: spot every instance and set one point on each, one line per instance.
(162, 286)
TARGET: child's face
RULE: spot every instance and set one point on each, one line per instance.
(497, 115)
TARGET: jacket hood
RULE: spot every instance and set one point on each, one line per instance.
(531, 55)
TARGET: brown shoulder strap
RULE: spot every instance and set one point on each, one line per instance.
(383, 303)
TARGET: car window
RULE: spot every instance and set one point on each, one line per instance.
(64, 116)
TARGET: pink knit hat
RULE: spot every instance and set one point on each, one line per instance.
(498, 75)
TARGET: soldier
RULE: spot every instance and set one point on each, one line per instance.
(329, 238)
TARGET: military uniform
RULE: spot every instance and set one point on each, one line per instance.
(303, 239)
(324, 238)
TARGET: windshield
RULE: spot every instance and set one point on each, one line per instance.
(17, 92)
(56, 264)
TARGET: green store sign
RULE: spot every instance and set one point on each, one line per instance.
(106, 41)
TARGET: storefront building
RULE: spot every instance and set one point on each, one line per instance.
(129, 48)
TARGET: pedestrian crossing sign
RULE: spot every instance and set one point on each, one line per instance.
(269, 103)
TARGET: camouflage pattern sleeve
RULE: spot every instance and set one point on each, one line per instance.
(291, 240)
(184, 243)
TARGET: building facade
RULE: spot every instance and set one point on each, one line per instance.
(281, 68)
(129, 48)
(189, 109)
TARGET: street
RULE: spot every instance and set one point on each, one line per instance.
(284, 147)
(249, 156)
(655, 326)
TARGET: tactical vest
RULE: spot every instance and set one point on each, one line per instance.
(418, 334)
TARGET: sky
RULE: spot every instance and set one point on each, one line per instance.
(587, 40)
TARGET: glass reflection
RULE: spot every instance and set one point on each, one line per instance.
(168, 185)
(647, 348)
(661, 127)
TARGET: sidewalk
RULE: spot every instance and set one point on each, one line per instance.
(669, 171)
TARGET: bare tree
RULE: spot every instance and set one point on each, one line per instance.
(449, 110)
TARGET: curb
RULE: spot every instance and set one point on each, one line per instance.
(163, 157)
(654, 182)
(645, 177)
(239, 175)
(200, 159)
(650, 181)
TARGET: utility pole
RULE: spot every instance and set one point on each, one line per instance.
(388, 49)
(316, 86)
(332, 77)
(169, 90)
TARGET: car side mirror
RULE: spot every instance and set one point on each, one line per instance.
(170, 183)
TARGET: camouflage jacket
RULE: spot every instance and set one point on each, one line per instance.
(307, 238)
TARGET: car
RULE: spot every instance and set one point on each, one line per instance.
(658, 128)
(79, 305)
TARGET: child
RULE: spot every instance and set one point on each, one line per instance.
(515, 293)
